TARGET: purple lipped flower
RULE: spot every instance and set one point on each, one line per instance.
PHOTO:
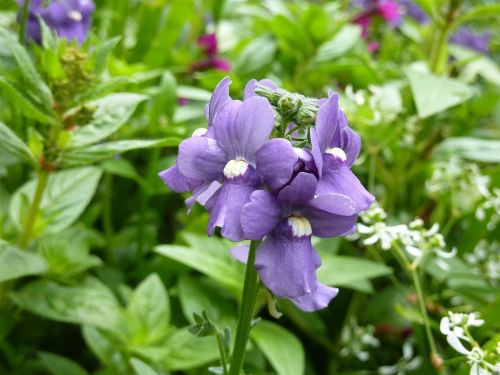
(286, 260)
(466, 37)
(226, 155)
(335, 147)
(202, 190)
(71, 19)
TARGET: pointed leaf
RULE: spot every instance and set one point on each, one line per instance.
(14, 145)
(15, 263)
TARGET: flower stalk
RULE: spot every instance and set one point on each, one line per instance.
(405, 263)
(24, 20)
(34, 208)
(249, 296)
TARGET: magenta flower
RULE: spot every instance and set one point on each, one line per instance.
(208, 44)
(71, 19)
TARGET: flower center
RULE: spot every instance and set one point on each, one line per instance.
(235, 168)
(75, 15)
(300, 226)
(200, 132)
(337, 152)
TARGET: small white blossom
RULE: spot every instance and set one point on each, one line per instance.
(406, 363)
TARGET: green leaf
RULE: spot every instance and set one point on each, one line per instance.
(142, 368)
(67, 194)
(197, 295)
(67, 253)
(209, 256)
(111, 113)
(59, 365)
(123, 168)
(92, 154)
(15, 263)
(149, 311)
(193, 93)
(14, 145)
(104, 348)
(102, 53)
(256, 56)
(165, 100)
(91, 303)
(344, 40)
(281, 348)
(478, 12)
(31, 80)
(346, 271)
(180, 351)
(24, 104)
(433, 94)
(476, 149)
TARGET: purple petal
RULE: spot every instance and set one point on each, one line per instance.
(200, 158)
(276, 160)
(326, 121)
(242, 133)
(252, 85)
(287, 264)
(240, 252)
(203, 194)
(261, 215)
(338, 178)
(346, 139)
(331, 215)
(227, 209)
(318, 300)
(220, 97)
(176, 181)
(316, 152)
(300, 191)
(55, 14)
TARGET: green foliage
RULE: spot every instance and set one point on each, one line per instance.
(101, 270)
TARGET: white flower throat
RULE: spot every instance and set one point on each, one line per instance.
(337, 152)
(75, 15)
(300, 226)
(235, 168)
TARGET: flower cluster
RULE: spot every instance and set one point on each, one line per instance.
(456, 328)
(414, 238)
(485, 258)
(71, 19)
(280, 191)
(357, 341)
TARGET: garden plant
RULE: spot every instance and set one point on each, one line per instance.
(249, 187)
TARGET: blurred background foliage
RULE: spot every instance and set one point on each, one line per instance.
(113, 269)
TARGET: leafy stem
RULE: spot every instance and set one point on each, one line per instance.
(222, 352)
(34, 208)
(405, 263)
(249, 296)
(24, 20)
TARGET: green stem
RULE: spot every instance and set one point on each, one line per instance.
(24, 20)
(33, 211)
(248, 298)
(222, 352)
(440, 53)
(420, 296)
(107, 217)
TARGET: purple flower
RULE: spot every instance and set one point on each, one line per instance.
(470, 39)
(225, 156)
(409, 8)
(71, 19)
(335, 147)
(286, 260)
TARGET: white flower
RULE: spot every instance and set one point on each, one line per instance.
(405, 363)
